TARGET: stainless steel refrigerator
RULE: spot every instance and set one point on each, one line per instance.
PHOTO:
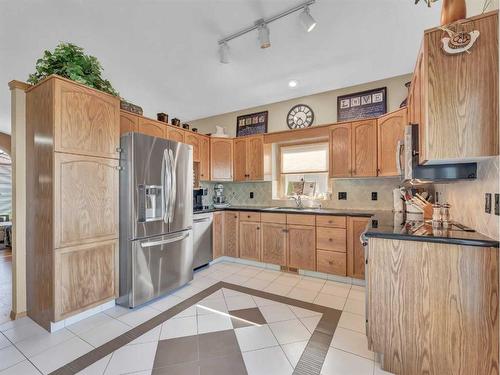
(156, 217)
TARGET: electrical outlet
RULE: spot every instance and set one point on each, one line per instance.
(487, 203)
(497, 204)
(374, 223)
(251, 195)
(437, 197)
(374, 196)
(342, 195)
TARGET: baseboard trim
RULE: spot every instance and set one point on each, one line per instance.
(18, 315)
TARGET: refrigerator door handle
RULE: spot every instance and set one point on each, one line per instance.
(166, 181)
(399, 154)
(173, 188)
(166, 241)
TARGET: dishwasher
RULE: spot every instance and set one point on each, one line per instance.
(202, 239)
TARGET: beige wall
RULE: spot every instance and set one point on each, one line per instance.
(475, 7)
(323, 104)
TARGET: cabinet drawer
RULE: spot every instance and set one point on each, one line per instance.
(273, 218)
(331, 262)
(249, 216)
(297, 219)
(331, 239)
(84, 276)
(331, 221)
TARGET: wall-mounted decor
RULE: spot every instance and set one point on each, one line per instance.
(360, 105)
(300, 116)
(254, 123)
(458, 42)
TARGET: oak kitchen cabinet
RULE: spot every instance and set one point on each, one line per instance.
(221, 159)
(355, 250)
(218, 234)
(152, 127)
(231, 233)
(454, 98)
(249, 158)
(175, 134)
(249, 240)
(353, 149)
(331, 244)
(129, 122)
(390, 136)
(72, 149)
(205, 158)
(194, 140)
(274, 238)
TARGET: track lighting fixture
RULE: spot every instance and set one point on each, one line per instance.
(224, 53)
(307, 20)
(264, 37)
(263, 30)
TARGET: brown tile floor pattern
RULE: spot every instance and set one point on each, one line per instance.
(216, 352)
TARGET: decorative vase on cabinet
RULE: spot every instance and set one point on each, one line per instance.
(453, 10)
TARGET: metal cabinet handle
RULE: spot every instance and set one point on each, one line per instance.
(119, 168)
(204, 220)
(119, 149)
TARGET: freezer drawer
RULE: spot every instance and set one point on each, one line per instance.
(159, 265)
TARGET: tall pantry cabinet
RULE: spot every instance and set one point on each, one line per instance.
(73, 137)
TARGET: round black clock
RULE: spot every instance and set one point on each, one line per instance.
(300, 116)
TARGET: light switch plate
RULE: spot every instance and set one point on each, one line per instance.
(342, 195)
(374, 196)
(497, 204)
(487, 203)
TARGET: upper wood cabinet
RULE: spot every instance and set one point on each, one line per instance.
(353, 149)
(390, 134)
(249, 240)
(175, 134)
(221, 159)
(204, 158)
(355, 250)
(231, 229)
(458, 119)
(128, 122)
(274, 243)
(302, 247)
(218, 234)
(152, 127)
(86, 121)
(86, 199)
(193, 139)
(340, 150)
(249, 158)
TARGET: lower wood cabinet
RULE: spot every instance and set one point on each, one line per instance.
(218, 235)
(355, 251)
(231, 233)
(274, 243)
(302, 247)
(84, 276)
(332, 262)
(249, 241)
(331, 239)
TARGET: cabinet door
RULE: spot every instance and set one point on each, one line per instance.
(193, 140)
(152, 128)
(218, 234)
(364, 148)
(274, 243)
(390, 131)
(240, 160)
(221, 159)
(87, 121)
(340, 150)
(302, 247)
(231, 228)
(204, 158)
(255, 158)
(175, 134)
(85, 199)
(355, 251)
(84, 276)
(128, 122)
(249, 240)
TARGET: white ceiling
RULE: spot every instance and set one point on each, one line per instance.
(162, 54)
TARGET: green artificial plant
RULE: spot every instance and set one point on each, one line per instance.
(70, 61)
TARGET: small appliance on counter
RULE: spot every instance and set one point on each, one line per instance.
(219, 198)
(198, 195)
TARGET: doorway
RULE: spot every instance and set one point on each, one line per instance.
(5, 236)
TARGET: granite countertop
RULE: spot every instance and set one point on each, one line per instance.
(386, 224)
(392, 226)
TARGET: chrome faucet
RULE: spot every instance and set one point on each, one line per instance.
(298, 201)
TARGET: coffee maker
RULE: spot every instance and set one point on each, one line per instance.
(198, 195)
(219, 198)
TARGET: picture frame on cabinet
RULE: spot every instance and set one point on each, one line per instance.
(251, 124)
(361, 105)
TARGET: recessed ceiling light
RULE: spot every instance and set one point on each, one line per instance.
(292, 83)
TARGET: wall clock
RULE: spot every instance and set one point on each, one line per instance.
(300, 116)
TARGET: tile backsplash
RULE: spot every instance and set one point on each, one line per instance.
(359, 194)
(467, 198)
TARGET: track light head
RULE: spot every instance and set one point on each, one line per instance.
(224, 53)
(264, 38)
(307, 20)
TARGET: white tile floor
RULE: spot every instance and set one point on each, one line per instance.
(25, 348)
